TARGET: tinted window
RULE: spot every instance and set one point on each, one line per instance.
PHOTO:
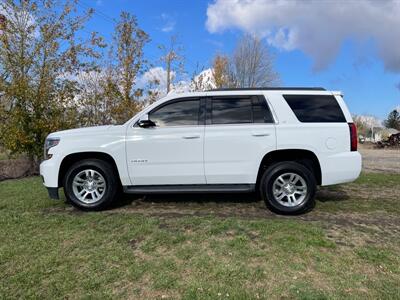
(261, 112)
(179, 113)
(231, 111)
(315, 108)
(240, 110)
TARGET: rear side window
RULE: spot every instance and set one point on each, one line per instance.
(315, 108)
(231, 111)
(177, 113)
(236, 110)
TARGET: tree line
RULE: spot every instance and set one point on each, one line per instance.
(53, 77)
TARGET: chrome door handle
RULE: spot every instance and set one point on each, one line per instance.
(189, 137)
(260, 134)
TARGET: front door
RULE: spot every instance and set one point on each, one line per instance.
(170, 153)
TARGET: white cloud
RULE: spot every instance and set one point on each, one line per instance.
(201, 82)
(169, 23)
(318, 28)
(156, 74)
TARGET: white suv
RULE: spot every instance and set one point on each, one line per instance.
(280, 142)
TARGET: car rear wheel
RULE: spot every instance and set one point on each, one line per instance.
(288, 188)
(91, 184)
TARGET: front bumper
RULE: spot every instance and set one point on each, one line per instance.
(49, 173)
(53, 193)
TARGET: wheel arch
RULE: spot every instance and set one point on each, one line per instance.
(305, 157)
(72, 158)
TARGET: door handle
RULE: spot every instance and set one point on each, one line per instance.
(189, 137)
(260, 134)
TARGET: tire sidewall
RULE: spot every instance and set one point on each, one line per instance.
(105, 170)
(288, 167)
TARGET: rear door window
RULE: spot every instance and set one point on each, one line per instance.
(240, 110)
(315, 108)
(231, 111)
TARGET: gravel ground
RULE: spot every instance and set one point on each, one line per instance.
(380, 160)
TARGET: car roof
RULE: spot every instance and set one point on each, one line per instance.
(250, 91)
(271, 89)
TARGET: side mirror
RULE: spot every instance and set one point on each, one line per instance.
(146, 123)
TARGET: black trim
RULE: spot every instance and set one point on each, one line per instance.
(53, 193)
(271, 89)
(202, 111)
(189, 188)
(208, 111)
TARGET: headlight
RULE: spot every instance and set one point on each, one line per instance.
(48, 144)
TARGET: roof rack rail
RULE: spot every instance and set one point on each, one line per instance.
(271, 89)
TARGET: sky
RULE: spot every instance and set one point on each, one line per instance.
(352, 46)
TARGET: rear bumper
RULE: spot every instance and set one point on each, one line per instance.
(341, 168)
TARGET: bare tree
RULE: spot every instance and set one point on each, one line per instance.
(94, 104)
(152, 88)
(252, 64)
(173, 59)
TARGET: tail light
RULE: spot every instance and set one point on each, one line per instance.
(353, 137)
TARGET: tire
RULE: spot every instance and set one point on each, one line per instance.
(91, 175)
(282, 188)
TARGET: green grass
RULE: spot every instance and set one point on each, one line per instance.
(348, 247)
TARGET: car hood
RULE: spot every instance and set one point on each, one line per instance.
(94, 130)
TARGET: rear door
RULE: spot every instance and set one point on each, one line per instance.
(239, 131)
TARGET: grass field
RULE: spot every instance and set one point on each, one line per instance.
(191, 248)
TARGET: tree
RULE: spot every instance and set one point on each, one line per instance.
(172, 58)
(129, 40)
(366, 124)
(393, 120)
(252, 64)
(361, 126)
(94, 105)
(110, 94)
(220, 71)
(153, 91)
(40, 55)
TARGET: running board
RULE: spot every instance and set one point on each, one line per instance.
(189, 188)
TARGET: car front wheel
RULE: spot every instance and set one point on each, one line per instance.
(91, 184)
(288, 188)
